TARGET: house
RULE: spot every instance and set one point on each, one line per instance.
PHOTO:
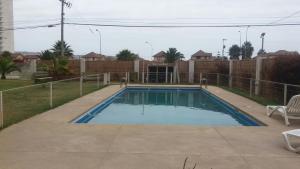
(92, 56)
(278, 53)
(111, 58)
(160, 57)
(25, 57)
(201, 55)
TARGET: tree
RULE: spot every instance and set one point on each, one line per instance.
(59, 66)
(261, 52)
(126, 55)
(6, 54)
(234, 52)
(7, 65)
(47, 55)
(56, 49)
(173, 55)
(247, 50)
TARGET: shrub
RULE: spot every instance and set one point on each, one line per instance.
(286, 69)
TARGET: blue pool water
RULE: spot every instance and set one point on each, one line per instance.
(166, 106)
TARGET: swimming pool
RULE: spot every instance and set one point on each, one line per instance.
(166, 106)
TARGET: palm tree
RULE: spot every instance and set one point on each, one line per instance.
(57, 49)
(126, 55)
(7, 65)
(173, 55)
(247, 50)
(59, 67)
(47, 55)
(234, 52)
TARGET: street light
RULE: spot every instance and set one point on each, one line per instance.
(262, 36)
(240, 39)
(223, 51)
(150, 47)
(151, 54)
(240, 57)
(246, 41)
(100, 37)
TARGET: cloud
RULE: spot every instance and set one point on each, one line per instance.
(158, 11)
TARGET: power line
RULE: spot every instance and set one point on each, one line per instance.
(164, 23)
(286, 17)
(150, 26)
(184, 26)
(30, 27)
(181, 18)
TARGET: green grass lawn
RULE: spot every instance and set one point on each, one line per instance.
(24, 103)
(8, 84)
(258, 99)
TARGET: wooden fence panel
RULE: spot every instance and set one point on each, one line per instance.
(93, 67)
(244, 68)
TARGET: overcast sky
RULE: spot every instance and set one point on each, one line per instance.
(84, 39)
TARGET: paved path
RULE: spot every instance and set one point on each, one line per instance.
(49, 141)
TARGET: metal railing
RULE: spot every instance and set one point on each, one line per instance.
(267, 92)
(18, 104)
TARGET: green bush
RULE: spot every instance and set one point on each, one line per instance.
(286, 69)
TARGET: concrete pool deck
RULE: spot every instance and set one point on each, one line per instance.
(49, 141)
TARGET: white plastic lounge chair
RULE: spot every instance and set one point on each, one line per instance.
(291, 111)
(294, 133)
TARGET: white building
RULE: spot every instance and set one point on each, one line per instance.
(6, 22)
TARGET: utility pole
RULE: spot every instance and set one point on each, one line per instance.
(240, 38)
(69, 5)
(223, 51)
(240, 57)
(100, 36)
(247, 33)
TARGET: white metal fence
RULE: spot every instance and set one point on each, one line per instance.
(21, 103)
(267, 92)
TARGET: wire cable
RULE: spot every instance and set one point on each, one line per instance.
(30, 27)
(183, 26)
(286, 17)
(151, 26)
